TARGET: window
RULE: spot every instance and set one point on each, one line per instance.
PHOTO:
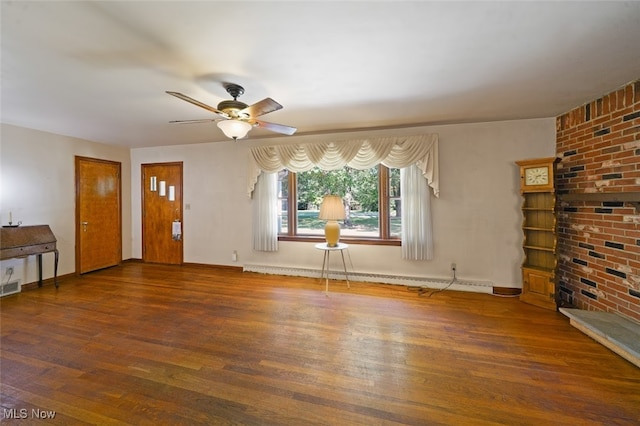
(372, 203)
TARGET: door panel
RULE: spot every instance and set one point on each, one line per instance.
(98, 214)
(160, 214)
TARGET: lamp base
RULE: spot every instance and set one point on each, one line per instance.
(332, 233)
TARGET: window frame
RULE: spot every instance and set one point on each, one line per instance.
(384, 238)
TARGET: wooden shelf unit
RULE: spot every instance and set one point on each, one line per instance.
(539, 228)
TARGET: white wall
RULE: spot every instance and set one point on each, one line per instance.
(37, 172)
(214, 186)
(476, 220)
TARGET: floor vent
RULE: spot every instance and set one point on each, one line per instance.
(10, 288)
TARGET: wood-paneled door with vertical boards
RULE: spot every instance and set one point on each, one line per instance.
(98, 214)
(162, 227)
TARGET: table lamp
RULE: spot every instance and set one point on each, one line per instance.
(332, 210)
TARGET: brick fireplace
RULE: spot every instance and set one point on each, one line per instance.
(599, 211)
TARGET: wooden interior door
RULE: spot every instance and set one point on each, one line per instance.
(98, 214)
(162, 213)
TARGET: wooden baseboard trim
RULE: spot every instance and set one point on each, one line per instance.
(219, 267)
(507, 291)
(195, 265)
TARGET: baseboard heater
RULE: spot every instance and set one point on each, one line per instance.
(434, 283)
(11, 287)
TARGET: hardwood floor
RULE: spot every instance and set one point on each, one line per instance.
(167, 345)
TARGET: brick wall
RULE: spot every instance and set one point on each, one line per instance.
(599, 242)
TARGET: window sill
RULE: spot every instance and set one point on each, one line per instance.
(364, 241)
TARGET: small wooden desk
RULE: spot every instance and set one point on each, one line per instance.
(341, 247)
(23, 241)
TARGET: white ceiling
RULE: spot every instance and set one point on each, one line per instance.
(99, 70)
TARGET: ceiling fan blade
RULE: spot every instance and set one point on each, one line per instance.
(265, 106)
(204, 120)
(198, 103)
(274, 127)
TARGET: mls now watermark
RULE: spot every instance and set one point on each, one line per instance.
(23, 413)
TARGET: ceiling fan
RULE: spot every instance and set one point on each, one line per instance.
(238, 118)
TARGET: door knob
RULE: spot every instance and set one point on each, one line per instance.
(84, 226)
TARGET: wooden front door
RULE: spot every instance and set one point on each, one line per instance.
(162, 227)
(98, 214)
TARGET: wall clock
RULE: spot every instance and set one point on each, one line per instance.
(536, 176)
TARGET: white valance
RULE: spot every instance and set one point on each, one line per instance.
(361, 154)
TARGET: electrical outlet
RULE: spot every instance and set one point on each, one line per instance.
(9, 270)
(453, 266)
(234, 256)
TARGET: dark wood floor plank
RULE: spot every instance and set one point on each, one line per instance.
(152, 344)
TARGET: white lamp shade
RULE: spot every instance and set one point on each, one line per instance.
(331, 208)
(234, 129)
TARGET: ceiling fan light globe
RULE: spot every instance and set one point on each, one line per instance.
(234, 129)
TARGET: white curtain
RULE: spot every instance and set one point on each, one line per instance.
(361, 154)
(419, 151)
(417, 239)
(265, 213)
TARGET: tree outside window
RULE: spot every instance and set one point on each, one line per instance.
(371, 197)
